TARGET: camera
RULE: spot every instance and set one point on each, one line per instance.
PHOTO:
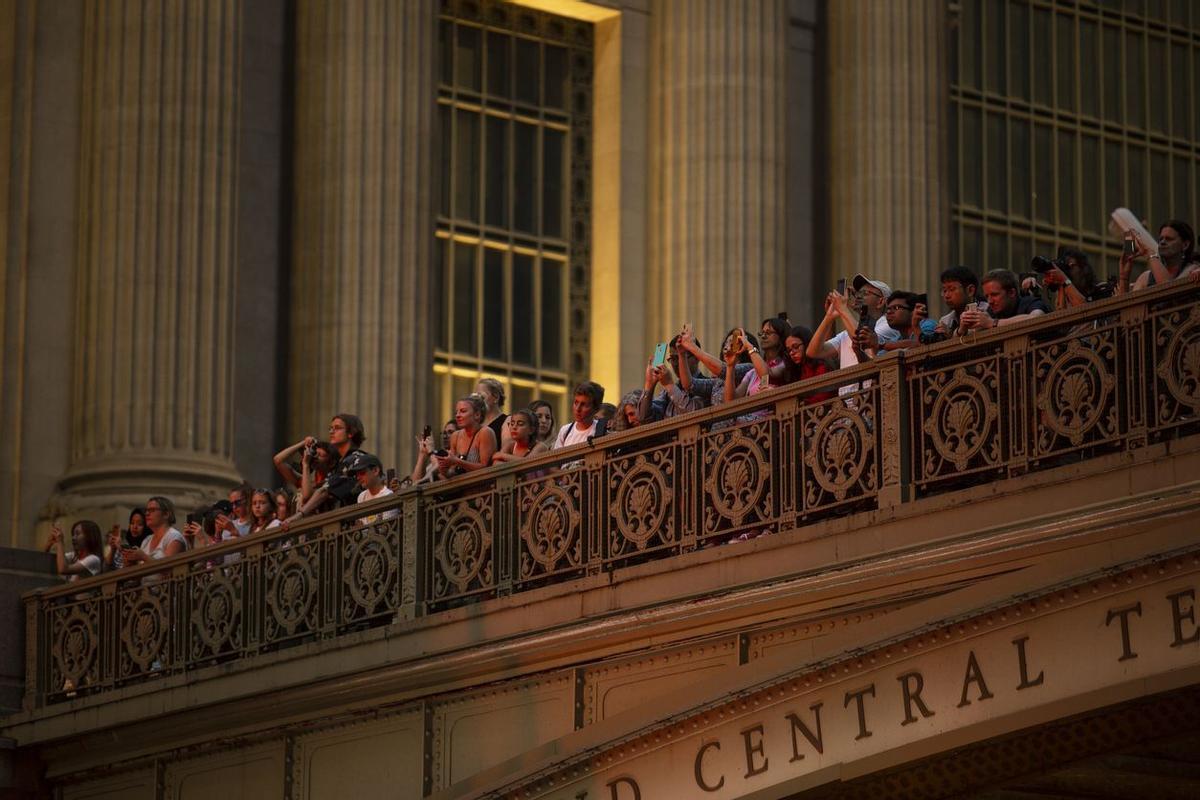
(1042, 265)
(201, 515)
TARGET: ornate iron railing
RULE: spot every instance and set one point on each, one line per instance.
(1112, 376)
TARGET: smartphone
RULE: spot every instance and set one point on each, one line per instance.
(841, 286)
(660, 355)
(426, 431)
(735, 341)
(1130, 247)
(923, 299)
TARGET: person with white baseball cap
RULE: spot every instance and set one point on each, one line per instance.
(870, 299)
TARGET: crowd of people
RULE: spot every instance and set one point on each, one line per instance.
(862, 321)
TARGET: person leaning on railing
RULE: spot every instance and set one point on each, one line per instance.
(522, 440)
(1005, 303)
(1175, 258)
(472, 445)
(164, 540)
(586, 399)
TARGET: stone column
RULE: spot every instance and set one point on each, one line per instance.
(155, 291)
(888, 110)
(717, 242)
(362, 307)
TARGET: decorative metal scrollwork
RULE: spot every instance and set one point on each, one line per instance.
(961, 418)
(1076, 391)
(1178, 364)
(642, 500)
(737, 484)
(464, 549)
(216, 611)
(550, 526)
(291, 591)
(145, 626)
(839, 449)
(76, 645)
(370, 571)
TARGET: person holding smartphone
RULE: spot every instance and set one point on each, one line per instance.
(164, 540)
(86, 557)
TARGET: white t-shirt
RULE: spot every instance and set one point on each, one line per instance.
(569, 434)
(844, 343)
(91, 563)
(171, 535)
(365, 496)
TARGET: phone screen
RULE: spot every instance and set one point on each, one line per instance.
(425, 433)
(841, 286)
(660, 355)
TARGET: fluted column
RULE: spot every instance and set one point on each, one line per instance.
(362, 308)
(153, 345)
(888, 108)
(717, 242)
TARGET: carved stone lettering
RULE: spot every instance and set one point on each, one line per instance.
(817, 741)
(912, 683)
(974, 675)
(1178, 615)
(857, 696)
(1023, 662)
(614, 787)
(1123, 614)
(703, 784)
(753, 737)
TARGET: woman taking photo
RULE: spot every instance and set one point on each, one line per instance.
(133, 536)
(472, 445)
(87, 550)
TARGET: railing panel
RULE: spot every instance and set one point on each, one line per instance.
(1176, 365)
(840, 442)
(739, 495)
(145, 611)
(643, 498)
(462, 558)
(550, 530)
(369, 573)
(291, 586)
(77, 647)
(216, 602)
(1076, 404)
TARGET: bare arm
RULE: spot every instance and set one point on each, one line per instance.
(280, 460)
(818, 345)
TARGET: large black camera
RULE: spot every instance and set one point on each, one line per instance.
(211, 512)
(1042, 265)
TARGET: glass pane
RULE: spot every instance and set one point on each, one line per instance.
(521, 396)
(1159, 52)
(1043, 173)
(997, 162)
(464, 298)
(525, 178)
(1181, 204)
(997, 253)
(1114, 177)
(553, 346)
(1111, 59)
(1067, 187)
(1135, 80)
(1089, 78)
(1064, 60)
(1020, 168)
(496, 185)
(1179, 92)
(466, 165)
(970, 45)
(952, 122)
(1160, 180)
(1043, 51)
(441, 280)
(460, 386)
(445, 52)
(527, 71)
(556, 77)
(499, 64)
(994, 39)
(1018, 49)
(443, 135)
(1136, 158)
(972, 245)
(523, 300)
(1094, 217)
(468, 62)
(972, 157)
(495, 306)
(553, 182)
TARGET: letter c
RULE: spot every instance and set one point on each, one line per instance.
(700, 767)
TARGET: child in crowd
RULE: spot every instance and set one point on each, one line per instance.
(368, 470)
(522, 441)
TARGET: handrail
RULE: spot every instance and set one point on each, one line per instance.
(1113, 375)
